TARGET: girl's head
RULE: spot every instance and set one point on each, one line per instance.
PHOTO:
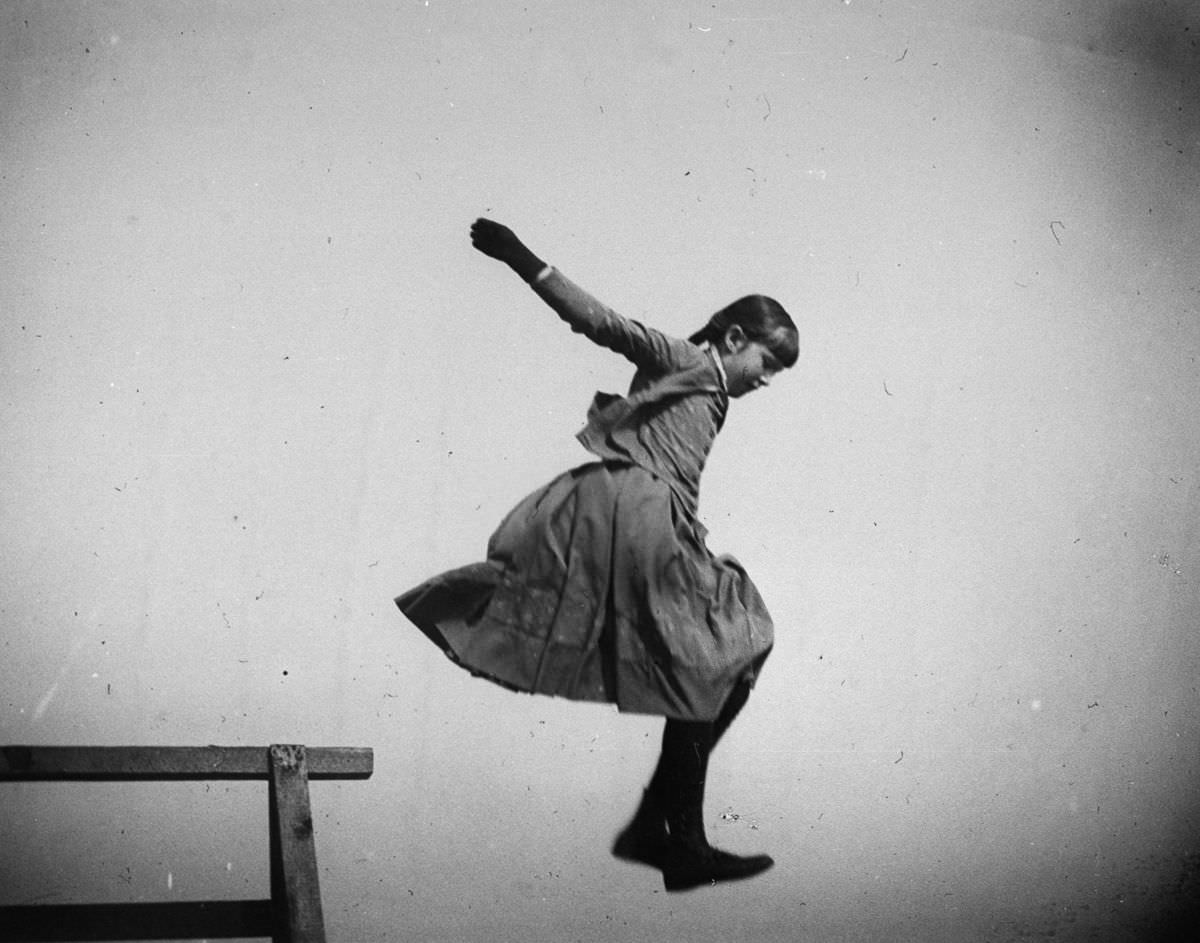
(755, 339)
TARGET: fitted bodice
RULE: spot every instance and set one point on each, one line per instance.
(676, 403)
(670, 435)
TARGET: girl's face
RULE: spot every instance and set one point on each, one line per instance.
(748, 364)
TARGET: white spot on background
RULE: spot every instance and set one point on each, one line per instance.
(44, 703)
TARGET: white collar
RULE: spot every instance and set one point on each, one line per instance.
(720, 367)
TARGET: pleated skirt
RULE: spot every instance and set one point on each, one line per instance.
(598, 586)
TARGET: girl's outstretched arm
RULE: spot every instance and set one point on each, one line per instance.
(502, 244)
(642, 345)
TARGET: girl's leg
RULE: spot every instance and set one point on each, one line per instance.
(690, 860)
(682, 766)
(686, 746)
(668, 829)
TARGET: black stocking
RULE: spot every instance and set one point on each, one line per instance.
(679, 780)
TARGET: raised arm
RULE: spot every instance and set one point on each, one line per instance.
(501, 243)
(642, 345)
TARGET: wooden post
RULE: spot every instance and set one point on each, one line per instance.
(295, 888)
(292, 915)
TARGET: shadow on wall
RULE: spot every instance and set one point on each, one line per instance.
(1179, 912)
(1164, 34)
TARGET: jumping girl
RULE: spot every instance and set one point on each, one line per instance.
(599, 585)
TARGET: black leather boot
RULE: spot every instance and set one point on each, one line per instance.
(683, 853)
(644, 839)
(690, 861)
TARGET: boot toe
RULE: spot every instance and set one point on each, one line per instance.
(684, 873)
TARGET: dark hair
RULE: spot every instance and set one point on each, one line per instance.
(762, 319)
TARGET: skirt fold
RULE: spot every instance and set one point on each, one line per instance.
(599, 587)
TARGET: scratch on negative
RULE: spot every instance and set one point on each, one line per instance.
(1053, 232)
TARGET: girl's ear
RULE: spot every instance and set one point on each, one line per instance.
(735, 339)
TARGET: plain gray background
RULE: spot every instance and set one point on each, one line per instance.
(255, 383)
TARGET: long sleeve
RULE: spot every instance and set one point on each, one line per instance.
(647, 348)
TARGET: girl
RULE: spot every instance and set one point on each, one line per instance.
(599, 586)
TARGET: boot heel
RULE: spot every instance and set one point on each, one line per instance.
(644, 839)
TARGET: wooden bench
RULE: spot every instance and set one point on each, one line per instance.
(293, 912)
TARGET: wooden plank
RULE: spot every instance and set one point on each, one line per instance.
(53, 764)
(178, 920)
(295, 887)
(340, 762)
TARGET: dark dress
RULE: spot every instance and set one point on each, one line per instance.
(599, 586)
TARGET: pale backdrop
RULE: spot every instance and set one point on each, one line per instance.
(255, 382)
